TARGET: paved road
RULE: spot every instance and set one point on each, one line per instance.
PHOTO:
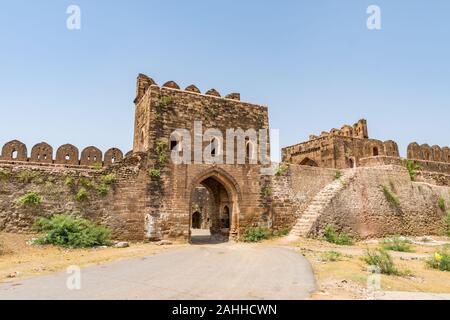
(219, 271)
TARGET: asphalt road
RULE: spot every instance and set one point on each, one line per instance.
(208, 271)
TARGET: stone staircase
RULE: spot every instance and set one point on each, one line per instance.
(321, 200)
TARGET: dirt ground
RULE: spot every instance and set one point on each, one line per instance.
(347, 278)
(18, 260)
(343, 279)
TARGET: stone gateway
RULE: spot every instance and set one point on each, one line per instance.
(338, 177)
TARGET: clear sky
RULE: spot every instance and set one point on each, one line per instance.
(314, 63)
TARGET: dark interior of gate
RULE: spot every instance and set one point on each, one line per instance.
(210, 212)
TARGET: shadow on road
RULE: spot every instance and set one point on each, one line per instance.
(202, 237)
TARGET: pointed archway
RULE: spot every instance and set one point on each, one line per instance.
(223, 206)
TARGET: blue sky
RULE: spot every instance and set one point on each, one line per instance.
(314, 63)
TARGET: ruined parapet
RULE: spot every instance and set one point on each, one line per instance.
(113, 155)
(67, 155)
(360, 129)
(427, 153)
(436, 153)
(391, 149)
(171, 84)
(192, 88)
(414, 151)
(212, 92)
(91, 156)
(143, 83)
(42, 152)
(14, 151)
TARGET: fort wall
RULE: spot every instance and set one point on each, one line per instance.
(363, 210)
(66, 155)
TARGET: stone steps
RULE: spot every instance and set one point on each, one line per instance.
(321, 200)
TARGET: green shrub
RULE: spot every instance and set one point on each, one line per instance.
(29, 198)
(161, 152)
(331, 256)
(441, 203)
(340, 238)
(4, 175)
(102, 189)
(82, 195)
(97, 166)
(381, 259)
(396, 244)
(256, 234)
(68, 231)
(440, 260)
(27, 176)
(412, 168)
(164, 101)
(447, 223)
(266, 191)
(85, 182)
(109, 179)
(281, 233)
(338, 174)
(69, 181)
(282, 169)
(154, 173)
(390, 196)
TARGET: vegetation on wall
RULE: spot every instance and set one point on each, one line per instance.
(26, 176)
(161, 152)
(154, 173)
(338, 174)
(97, 166)
(447, 223)
(108, 179)
(282, 169)
(85, 182)
(30, 198)
(391, 197)
(82, 195)
(68, 231)
(164, 101)
(102, 189)
(412, 168)
(441, 203)
(4, 175)
(266, 191)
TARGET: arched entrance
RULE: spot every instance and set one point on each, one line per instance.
(196, 220)
(220, 206)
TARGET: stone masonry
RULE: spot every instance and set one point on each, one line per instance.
(336, 178)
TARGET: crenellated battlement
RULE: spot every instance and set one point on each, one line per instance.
(144, 82)
(427, 153)
(358, 130)
(67, 154)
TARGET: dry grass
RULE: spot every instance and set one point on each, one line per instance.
(347, 278)
(21, 260)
